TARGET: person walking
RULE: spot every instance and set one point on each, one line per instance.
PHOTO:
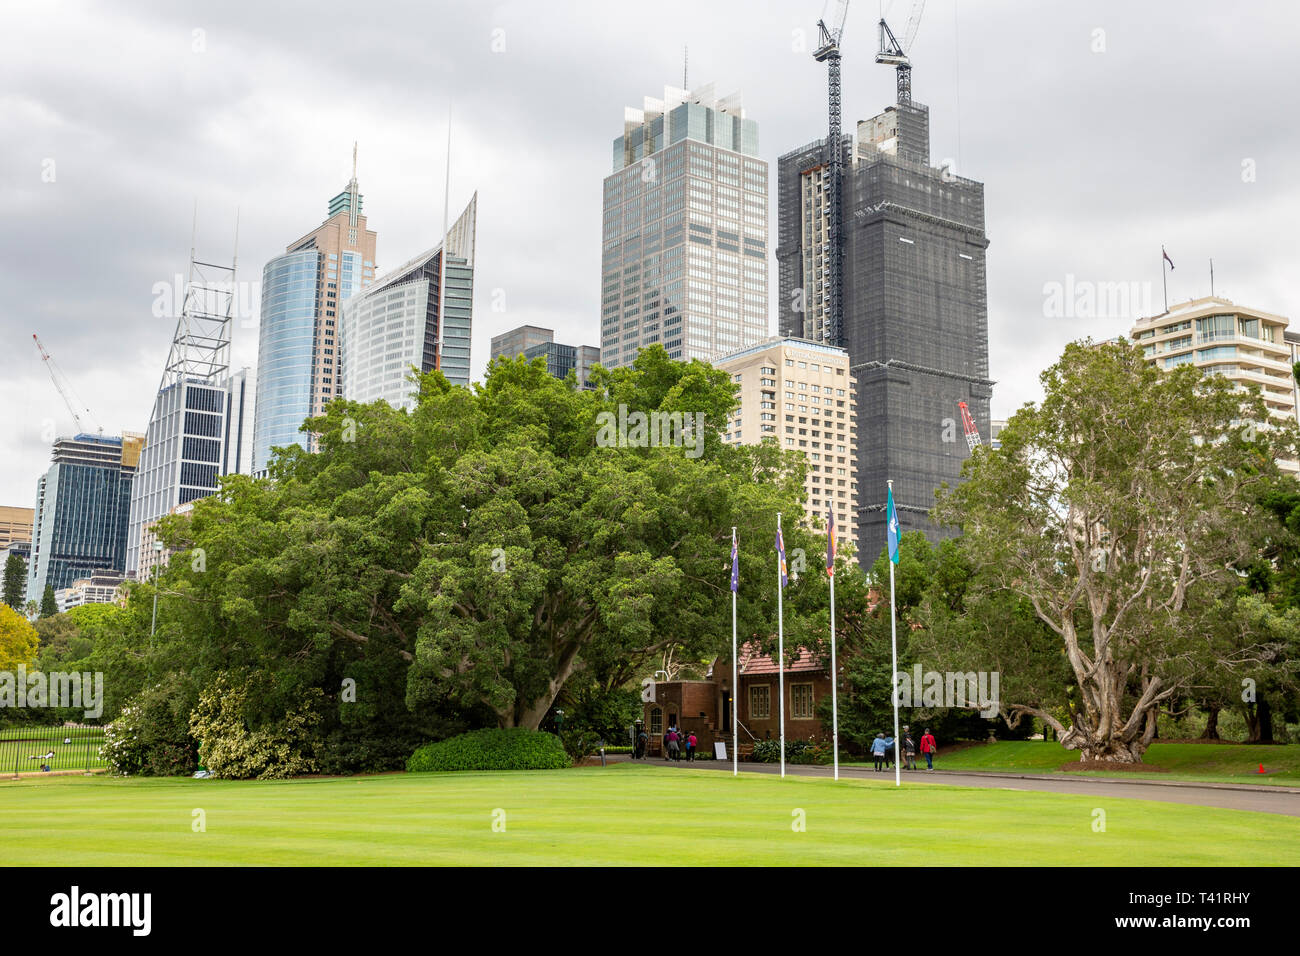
(642, 741)
(909, 749)
(674, 747)
(691, 743)
(878, 750)
(928, 748)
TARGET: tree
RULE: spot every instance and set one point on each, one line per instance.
(477, 552)
(1118, 509)
(49, 604)
(15, 581)
(18, 640)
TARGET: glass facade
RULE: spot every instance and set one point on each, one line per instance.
(285, 351)
(82, 509)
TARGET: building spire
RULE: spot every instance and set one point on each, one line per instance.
(354, 195)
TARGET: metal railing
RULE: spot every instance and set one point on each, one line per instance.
(32, 748)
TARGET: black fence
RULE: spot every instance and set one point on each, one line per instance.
(30, 748)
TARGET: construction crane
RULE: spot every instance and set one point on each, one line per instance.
(973, 439)
(893, 53)
(828, 52)
(65, 389)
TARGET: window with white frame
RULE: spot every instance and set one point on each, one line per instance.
(760, 701)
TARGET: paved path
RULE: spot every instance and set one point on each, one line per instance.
(1231, 796)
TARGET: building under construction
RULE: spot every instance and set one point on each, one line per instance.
(914, 309)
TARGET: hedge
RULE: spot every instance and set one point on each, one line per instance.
(514, 749)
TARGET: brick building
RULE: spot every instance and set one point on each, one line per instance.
(704, 706)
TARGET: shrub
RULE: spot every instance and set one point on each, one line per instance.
(285, 747)
(796, 751)
(514, 749)
(151, 735)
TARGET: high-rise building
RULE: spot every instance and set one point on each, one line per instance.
(101, 587)
(15, 525)
(915, 305)
(684, 252)
(1244, 345)
(800, 395)
(297, 348)
(532, 342)
(184, 449)
(82, 506)
(404, 321)
(237, 453)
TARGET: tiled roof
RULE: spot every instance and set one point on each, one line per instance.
(753, 662)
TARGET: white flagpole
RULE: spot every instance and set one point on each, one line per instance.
(780, 642)
(735, 688)
(893, 653)
(835, 674)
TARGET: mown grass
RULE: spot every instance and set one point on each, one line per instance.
(621, 815)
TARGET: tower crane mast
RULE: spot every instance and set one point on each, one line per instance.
(828, 52)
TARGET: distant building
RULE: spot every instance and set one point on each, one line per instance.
(684, 248)
(100, 587)
(995, 433)
(298, 346)
(82, 508)
(417, 316)
(151, 556)
(237, 453)
(1244, 345)
(532, 342)
(799, 395)
(15, 525)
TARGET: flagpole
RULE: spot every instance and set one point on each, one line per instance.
(780, 642)
(1164, 279)
(893, 655)
(835, 679)
(735, 689)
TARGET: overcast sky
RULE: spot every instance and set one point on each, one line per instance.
(1101, 130)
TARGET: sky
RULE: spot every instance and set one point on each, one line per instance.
(1102, 132)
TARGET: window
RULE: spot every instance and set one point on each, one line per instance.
(801, 701)
(656, 722)
(760, 702)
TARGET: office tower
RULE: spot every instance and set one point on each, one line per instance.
(184, 448)
(297, 348)
(237, 451)
(800, 395)
(1244, 345)
(684, 253)
(915, 305)
(405, 321)
(82, 505)
(15, 525)
(532, 342)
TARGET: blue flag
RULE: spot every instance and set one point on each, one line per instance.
(780, 553)
(735, 565)
(830, 543)
(891, 527)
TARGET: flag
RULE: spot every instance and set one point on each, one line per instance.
(1167, 259)
(780, 554)
(735, 565)
(830, 543)
(891, 527)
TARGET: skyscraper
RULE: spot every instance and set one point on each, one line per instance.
(184, 450)
(419, 315)
(82, 505)
(684, 253)
(915, 305)
(297, 349)
(532, 342)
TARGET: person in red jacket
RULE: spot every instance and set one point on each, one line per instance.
(928, 748)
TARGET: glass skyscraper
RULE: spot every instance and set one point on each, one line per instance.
(684, 249)
(82, 507)
(418, 316)
(298, 354)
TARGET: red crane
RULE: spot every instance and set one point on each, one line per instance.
(968, 424)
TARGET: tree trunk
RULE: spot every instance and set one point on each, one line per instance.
(1265, 722)
(1252, 724)
(1212, 724)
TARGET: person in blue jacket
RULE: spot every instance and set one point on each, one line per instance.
(880, 750)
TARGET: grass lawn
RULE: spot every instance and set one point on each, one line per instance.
(624, 814)
(1207, 763)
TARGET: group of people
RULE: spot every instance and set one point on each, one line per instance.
(882, 750)
(679, 744)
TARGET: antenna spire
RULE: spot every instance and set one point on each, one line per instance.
(686, 60)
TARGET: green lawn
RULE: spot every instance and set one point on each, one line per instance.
(624, 814)
(1209, 763)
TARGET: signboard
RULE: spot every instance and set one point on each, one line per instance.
(720, 750)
